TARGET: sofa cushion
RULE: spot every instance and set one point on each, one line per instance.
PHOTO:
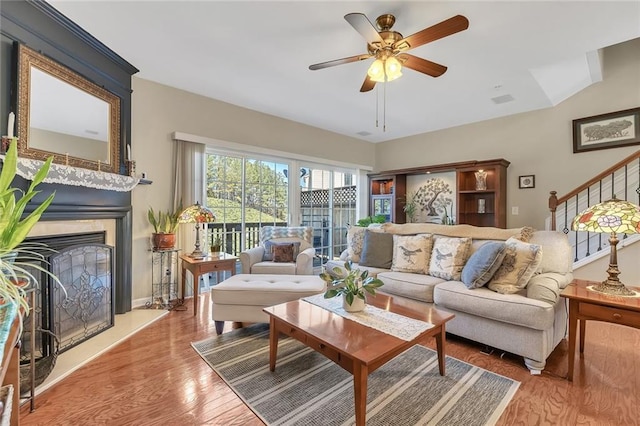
(330, 265)
(448, 257)
(414, 286)
(556, 245)
(355, 241)
(377, 250)
(510, 308)
(411, 253)
(483, 264)
(518, 266)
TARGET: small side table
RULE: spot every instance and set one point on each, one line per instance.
(585, 304)
(197, 267)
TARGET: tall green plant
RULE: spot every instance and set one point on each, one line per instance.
(14, 229)
(164, 222)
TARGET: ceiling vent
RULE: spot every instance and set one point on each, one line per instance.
(502, 99)
(364, 133)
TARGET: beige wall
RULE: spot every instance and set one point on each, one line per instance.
(158, 111)
(538, 142)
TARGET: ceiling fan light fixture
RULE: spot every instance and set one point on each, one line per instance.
(376, 71)
(392, 68)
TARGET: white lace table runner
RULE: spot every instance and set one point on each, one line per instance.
(388, 322)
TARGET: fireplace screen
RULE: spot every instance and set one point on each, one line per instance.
(87, 307)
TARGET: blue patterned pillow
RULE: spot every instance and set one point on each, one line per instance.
(483, 264)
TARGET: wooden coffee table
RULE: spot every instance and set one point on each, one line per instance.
(357, 348)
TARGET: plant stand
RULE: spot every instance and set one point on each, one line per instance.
(164, 287)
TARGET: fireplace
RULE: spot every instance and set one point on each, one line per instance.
(84, 265)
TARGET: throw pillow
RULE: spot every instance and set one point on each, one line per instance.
(269, 245)
(483, 264)
(283, 253)
(448, 257)
(411, 253)
(377, 250)
(519, 264)
(355, 239)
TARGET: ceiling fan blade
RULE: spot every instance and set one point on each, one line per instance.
(362, 25)
(445, 28)
(422, 65)
(335, 62)
(367, 85)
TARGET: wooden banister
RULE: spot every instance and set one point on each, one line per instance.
(554, 200)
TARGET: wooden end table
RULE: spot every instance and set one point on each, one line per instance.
(585, 304)
(197, 267)
(355, 347)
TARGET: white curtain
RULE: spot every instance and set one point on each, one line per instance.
(188, 187)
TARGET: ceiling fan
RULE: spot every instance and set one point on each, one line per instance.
(389, 47)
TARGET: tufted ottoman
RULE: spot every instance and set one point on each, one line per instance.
(242, 297)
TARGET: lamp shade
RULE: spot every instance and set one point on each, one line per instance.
(376, 71)
(392, 68)
(196, 214)
(612, 216)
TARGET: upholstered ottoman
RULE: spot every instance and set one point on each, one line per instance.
(242, 297)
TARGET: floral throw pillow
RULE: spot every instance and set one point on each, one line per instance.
(448, 257)
(411, 253)
(517, 268)
(355, 241)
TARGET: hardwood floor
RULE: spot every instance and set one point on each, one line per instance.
(156, 378)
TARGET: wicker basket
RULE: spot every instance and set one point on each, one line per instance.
(43, 365)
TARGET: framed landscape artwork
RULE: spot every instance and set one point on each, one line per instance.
(612, 130)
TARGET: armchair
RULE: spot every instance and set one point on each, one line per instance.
(282, 251)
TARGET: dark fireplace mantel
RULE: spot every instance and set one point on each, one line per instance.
(42, 28)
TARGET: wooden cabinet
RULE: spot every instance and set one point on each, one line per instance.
(478, 204)
(386, 196)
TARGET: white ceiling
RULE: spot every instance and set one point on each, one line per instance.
(256, 54)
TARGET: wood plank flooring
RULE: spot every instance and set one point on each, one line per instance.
(156, 378)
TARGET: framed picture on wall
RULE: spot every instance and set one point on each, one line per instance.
(612, 130)
(527, 181)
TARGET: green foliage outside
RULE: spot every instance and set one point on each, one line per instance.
(233, 212)
(266, 189)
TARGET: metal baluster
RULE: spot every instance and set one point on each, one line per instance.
(599, 201)
(576, 233)
(588, 236)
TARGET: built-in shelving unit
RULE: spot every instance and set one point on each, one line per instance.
(475, 205)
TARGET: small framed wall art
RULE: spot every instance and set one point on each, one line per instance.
(527, 181)
(612, 130)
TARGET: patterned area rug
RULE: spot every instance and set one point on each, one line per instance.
(309, 389)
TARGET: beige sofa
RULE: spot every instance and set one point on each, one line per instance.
(529, 323)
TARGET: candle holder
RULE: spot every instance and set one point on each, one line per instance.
(6, 141)
(130, 167)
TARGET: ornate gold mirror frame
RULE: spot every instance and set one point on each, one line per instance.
(61, 113)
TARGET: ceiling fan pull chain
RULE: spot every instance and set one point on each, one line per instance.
(377, 103)
(384, 108)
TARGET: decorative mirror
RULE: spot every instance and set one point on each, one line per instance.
(61, 113)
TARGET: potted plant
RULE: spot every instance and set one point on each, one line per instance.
(351, 284)
(216, 244)
(411, 206)
(14, 228)
(164, 225)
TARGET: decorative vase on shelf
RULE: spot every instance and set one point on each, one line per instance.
(481, 180)
(481, 205)
(357, 305)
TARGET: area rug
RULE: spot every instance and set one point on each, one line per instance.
(309, 389)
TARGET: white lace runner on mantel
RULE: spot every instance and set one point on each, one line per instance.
(76, 176)
(388, 322)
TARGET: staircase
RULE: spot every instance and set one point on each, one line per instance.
(621, 180)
